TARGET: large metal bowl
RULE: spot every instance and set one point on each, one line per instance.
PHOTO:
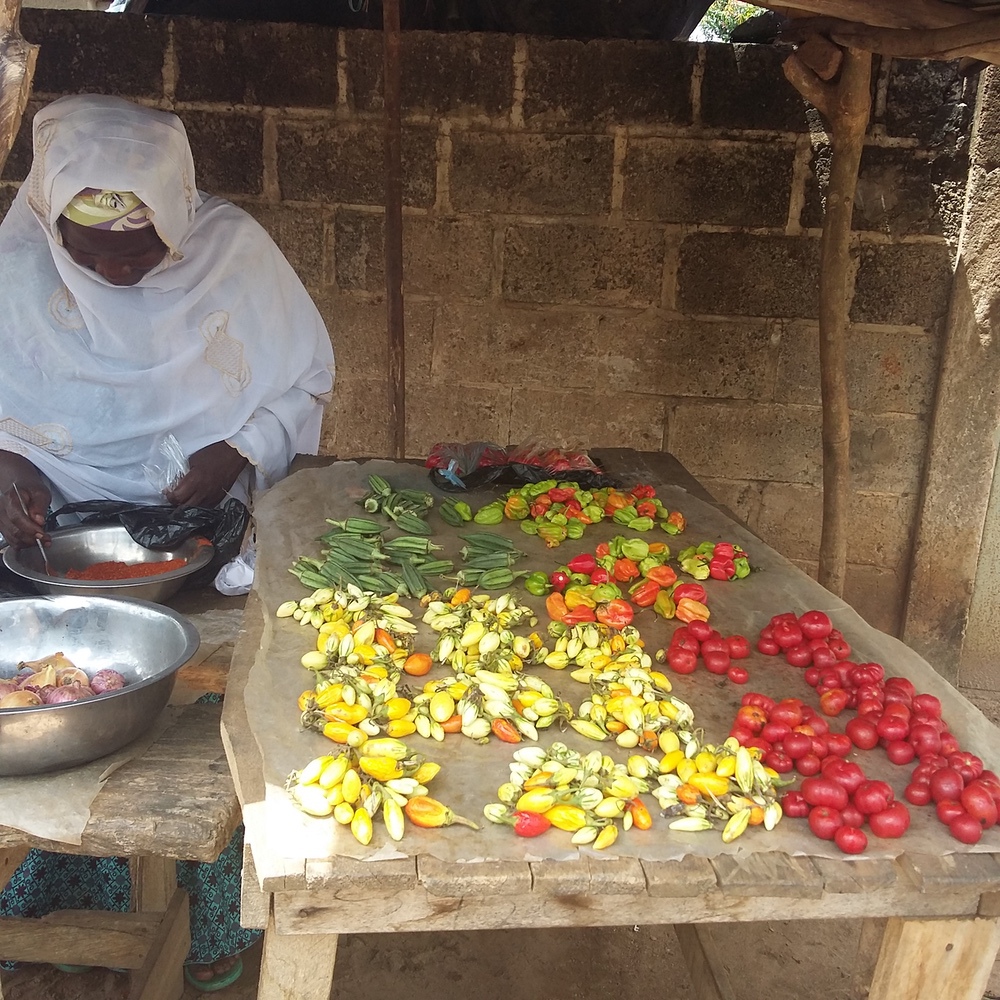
(83, 545)
(145, 642)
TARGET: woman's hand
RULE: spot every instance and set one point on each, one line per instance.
(212, 471)
(18, 528)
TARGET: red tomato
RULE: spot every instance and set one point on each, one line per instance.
(797, 745)
(946, 783)
(900, 752)
(811, 676)
(873, 796)
(768, 647)
(789, 711)
(967, 764)
(978, 802)
(965, 828)
(759, 700)
(917, 794)
(794, 805)
(741, 735)
(799, 655)
(850, 839)
(716, 661)
(863, 734)
(948, 809)
(845, 773)
(822, 656)
(787, 634)
(818, 725)
(852, 815)
(925, 739)
(927, 704)
(824, 821)
(739, 646)
(738, 675)
(775, 732)
(787, 616)
(891, 822)
(949, 744)
(699, 630)
(839, 647)
(839, 744)
(752, 717)
(833, 702)
(682, 661)
(815, 624)
(808, 765)
(714, 644)
(778, 761)
(898, 710)
(824, 792)
(892, 727)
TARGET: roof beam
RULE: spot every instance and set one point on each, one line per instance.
(884, 13)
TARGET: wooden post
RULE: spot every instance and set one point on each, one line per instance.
(17, 68)
(391, 44)
(846, 105)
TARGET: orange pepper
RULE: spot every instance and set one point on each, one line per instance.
(625, 570)
(505, 731)
(641, 818)
(555, 605)
(602, 550)
(688, 794)
(689, 610)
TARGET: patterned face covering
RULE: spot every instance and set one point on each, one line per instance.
(115, 210)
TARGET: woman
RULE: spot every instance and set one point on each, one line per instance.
(136, 311)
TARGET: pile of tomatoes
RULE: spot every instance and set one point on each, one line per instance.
(716, 651)
(806, 640)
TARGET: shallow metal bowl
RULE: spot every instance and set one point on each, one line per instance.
(144, 641)
(81, 546)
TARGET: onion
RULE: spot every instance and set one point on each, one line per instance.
(71, 675)
(7, 686)
(46, 677)
(20, 699)
(67, 693)
(107, 680)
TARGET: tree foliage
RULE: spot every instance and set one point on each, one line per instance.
(723, 16)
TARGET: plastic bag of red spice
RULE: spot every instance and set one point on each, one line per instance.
(458, 467)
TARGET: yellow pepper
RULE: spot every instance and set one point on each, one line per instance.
(566, 817)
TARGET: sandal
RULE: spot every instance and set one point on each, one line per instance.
(219, 982)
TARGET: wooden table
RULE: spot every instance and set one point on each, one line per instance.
(174, 802)
(931, 925)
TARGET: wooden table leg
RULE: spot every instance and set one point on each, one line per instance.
(162, 974)
(154, 882)
(701, 954)
(936, 959)
(10, 860)
(296, 966)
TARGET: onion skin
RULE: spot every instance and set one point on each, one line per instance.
(67, 693)
(7, 686)
(71, 675)
(20, 699)
(107, 680)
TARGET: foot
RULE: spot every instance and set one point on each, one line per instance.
(206, 973)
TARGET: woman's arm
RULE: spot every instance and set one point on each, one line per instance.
(18, 528)
(213, 470)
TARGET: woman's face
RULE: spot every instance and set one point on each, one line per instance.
(121, 258)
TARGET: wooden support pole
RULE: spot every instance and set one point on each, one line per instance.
(17, 68)
(846, 105)
(391, 45)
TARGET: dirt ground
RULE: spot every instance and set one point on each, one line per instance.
(781, 960)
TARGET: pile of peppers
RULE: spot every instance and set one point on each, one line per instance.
(556, 511)
(610, 583)
(715, 560)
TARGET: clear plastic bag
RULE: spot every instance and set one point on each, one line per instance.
(167, 464)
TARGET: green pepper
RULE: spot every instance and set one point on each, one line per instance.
(463, 510)
(529, 526)
(516, 508)
(664, 605)
(670, 529)
(686, 553)
(641, 523)
(492, 513)
(606, 592)
(706, 549)
(615, 547)
(557, 519)
(607, 562)
(650, 562)
(635, 549)
(550, 533)
(537, 489)
(624, 515)
(537, 584)
(593, 513)
(696, 567)
(574, 529)
(581, 579)
(742, 565)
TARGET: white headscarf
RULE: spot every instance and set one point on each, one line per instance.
(219, 342)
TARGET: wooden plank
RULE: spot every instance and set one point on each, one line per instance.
(255, 904)
(484, 878)
(887, 13)
(17, 68)
(692, 876)
(770, 874)
(869, 946)
(296, 966)
(989, 904)
(561, 878)
(952, 872)
(935, 959)
(358, 879)
(162, 974)
(10, 861)
(616, 876)
(709, 980)
(208, 673)
(855, 876)
(154, 882)
(79, 937)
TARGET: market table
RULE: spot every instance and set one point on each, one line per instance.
(931, 919)
(174, 801)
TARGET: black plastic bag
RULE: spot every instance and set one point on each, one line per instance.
(162, 527)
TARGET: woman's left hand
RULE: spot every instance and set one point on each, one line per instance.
(213, 470)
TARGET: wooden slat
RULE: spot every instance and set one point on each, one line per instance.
(161, 976)
(771, 874)
(154, 882)
(561, 878)
(255, 904)
(855, 876)
(989, 904)
(79, 937)
(952, 872)
(208, 673)
(484, 878)
(358, 879)
(10, 861)
(296, 966)
(935, 959)
(887, 13)
(616, 876)
(693, 876)
(709, 980)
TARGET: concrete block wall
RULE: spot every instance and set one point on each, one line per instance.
(610, 243)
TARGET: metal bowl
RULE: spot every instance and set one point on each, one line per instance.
(145, 642)
(83, 545)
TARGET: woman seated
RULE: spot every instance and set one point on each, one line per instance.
(135, 310)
